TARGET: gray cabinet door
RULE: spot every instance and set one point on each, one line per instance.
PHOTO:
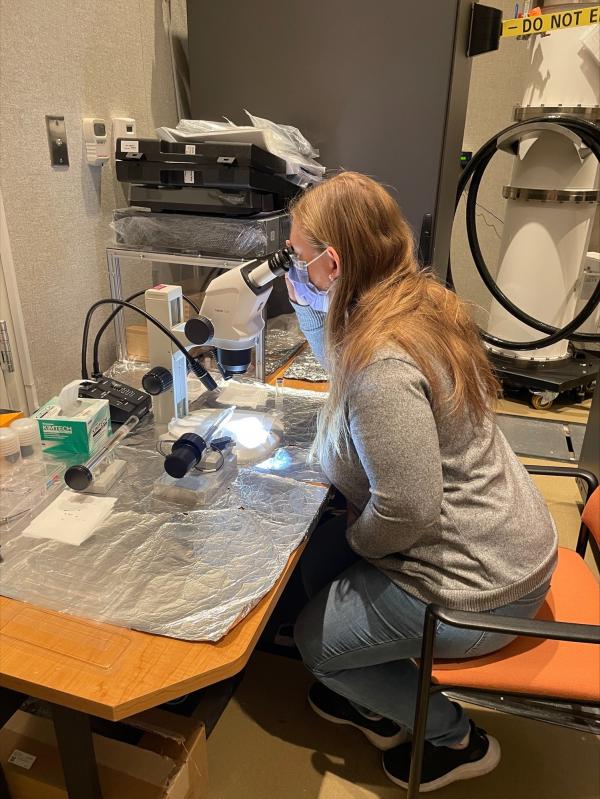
(379, 87)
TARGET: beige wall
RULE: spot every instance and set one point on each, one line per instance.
(76, 58)
(496, 87)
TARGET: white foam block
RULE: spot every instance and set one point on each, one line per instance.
(71, 518)
(106, 480)
(242, 395)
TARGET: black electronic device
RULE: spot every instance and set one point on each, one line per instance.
(202, 200)
(200, 153)
(124, 401)
(220, 177)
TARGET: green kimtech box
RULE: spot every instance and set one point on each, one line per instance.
(85, 429)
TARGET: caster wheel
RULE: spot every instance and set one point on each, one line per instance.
(588, 391)
(541, 403)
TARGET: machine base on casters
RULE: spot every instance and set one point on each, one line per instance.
(547, 380)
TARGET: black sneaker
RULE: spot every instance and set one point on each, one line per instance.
(382, 733)
(443, 765)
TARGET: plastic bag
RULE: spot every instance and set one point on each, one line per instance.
(288, 135)
(285, 141)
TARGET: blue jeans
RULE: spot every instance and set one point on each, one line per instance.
(360, 631)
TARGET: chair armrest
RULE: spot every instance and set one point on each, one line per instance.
(591, 481)
(589, 478)
(555, 630)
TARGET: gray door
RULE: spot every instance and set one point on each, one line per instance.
(369, 83)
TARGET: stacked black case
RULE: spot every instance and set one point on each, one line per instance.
(222, 178)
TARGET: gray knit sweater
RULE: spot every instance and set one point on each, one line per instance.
(446, 509)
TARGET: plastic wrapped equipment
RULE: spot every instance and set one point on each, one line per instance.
(191, 234)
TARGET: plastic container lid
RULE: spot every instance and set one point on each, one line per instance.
(9, 442)
(28, 431)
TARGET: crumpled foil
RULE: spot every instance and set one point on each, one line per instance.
(284, 338)
(306, 367)
(190, 574)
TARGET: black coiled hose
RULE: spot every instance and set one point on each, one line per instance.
(589, 133)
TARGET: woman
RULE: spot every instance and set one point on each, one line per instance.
(439, 508)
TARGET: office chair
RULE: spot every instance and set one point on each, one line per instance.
(560, 643)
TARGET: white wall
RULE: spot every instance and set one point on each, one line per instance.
(75, 58)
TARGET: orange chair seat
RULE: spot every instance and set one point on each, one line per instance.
(536, 666)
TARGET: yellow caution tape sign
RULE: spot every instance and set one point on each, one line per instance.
(546, 23)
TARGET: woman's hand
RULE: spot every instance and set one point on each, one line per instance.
(292, 292)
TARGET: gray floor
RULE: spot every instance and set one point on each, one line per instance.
(543, 438)
(270, 745)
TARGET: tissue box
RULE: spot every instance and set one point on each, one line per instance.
(83, 432)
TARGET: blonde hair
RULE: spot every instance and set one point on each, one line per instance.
(382, 297)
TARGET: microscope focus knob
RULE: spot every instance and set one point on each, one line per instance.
(157, 380)
(199, 329)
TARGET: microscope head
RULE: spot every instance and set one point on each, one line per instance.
(231, 317)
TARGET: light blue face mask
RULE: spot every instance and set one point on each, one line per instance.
(306, 291)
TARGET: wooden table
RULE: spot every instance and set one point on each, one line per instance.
(85, 668)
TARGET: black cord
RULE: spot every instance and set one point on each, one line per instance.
(555, 334)
(96, 362)
(474, 171)
(200, 372)
(217, 467)
(191, 302)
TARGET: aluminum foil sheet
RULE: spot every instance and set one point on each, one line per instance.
(306, 367)
(185, 574)
(194, 234)
(284, 338)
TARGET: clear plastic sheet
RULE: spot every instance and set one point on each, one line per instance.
(157, 568)
(306, 367)
(25, 488)
(191, 234)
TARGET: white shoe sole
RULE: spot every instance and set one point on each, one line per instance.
(382, 743)
(465, 772)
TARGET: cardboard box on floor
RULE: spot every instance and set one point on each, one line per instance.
(168, 762)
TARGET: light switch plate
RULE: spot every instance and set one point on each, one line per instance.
(57, 140)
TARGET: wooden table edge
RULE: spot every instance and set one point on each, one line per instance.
(228, 668)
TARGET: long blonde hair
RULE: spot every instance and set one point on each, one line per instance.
(382, 297)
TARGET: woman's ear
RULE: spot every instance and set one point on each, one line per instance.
(336, 263)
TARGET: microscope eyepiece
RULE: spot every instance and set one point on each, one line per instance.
(280, 261)
(186, 453)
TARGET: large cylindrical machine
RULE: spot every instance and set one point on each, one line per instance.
(552, 199)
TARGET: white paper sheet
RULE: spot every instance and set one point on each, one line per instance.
(71, 518)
